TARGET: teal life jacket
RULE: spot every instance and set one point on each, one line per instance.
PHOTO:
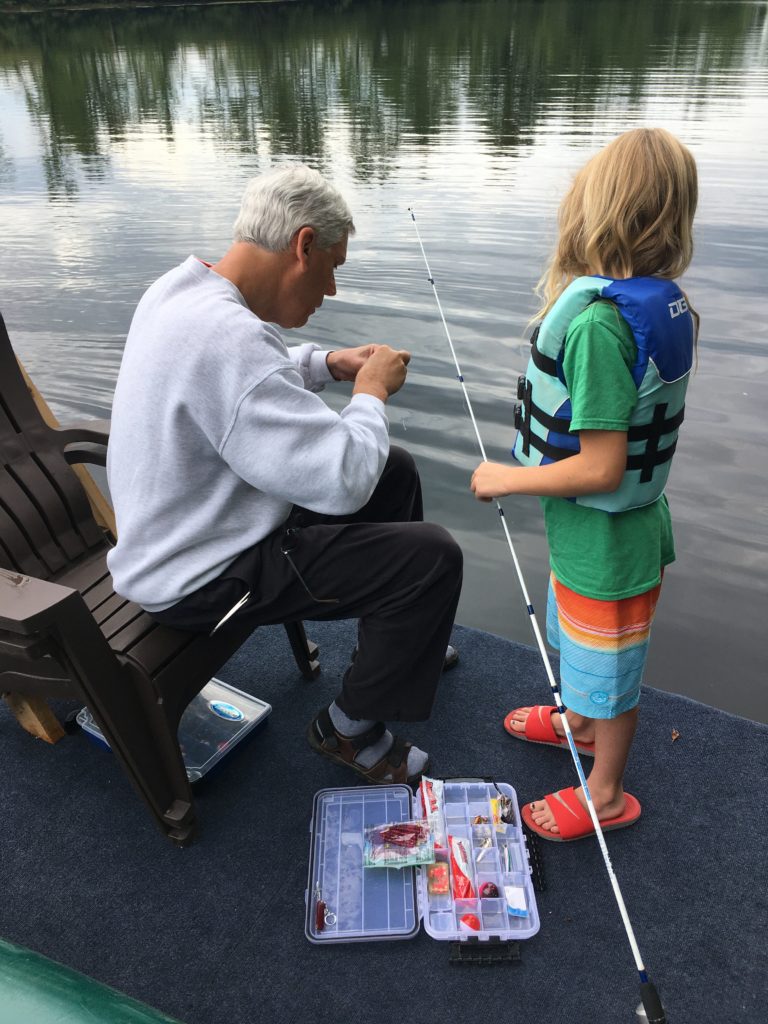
(662, 324)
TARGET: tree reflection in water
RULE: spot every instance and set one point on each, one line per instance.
(276, 76)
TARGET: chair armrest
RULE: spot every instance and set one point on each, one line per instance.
(95, 454)
(85, 441)
(93, 431)
(28, 604)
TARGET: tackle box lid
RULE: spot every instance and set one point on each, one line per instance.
(213, 723)
(374, 904)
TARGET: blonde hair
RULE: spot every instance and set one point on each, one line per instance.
(628, 213)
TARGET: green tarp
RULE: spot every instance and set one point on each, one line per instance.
(35, 990)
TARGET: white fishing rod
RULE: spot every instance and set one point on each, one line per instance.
(654, 1011)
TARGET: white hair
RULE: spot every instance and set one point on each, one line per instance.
(277, 204)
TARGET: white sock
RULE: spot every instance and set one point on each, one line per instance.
(368, 756)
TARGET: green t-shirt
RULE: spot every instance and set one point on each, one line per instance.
(605, 555)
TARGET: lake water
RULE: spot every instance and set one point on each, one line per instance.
(126, 139)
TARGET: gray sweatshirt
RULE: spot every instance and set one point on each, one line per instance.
(216, 432)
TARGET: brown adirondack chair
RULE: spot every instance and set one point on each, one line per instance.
(64, 632)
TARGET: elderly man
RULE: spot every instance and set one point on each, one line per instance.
(262, 499)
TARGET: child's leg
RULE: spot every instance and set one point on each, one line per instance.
(613, 739)
(583, 728)
(603, 648)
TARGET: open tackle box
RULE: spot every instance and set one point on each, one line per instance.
(361, 904)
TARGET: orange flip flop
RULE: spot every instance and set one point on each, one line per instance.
(539, 729)
(572, 817)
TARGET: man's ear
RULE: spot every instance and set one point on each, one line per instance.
(305, 241)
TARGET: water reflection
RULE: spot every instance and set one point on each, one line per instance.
(267, 79)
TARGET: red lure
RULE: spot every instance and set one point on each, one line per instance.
(408, 834)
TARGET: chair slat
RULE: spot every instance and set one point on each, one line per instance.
(96, 595)
(12, 444)
(153, 645)
(112, 625)
(15, 543)
(111, 606)
(87, 574)
(29, 525)
(40, 490)
(72, 493)
(16, 395)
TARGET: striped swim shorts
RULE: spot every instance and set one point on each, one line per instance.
(603, 646)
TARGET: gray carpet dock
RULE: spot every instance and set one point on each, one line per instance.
(214, 934)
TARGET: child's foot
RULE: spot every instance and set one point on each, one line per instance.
(607, 806)
(583, 729)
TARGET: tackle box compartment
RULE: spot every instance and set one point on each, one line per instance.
(213, 724)
(375, 903)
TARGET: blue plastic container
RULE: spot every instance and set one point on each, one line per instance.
(213, 724)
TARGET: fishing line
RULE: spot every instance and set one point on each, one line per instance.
(650, 999)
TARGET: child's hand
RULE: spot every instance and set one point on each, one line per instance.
(491, 480)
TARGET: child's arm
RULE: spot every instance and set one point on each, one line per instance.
(596, 469)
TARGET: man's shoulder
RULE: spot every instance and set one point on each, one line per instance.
(189, 288)
(182, 277)
(192, 307)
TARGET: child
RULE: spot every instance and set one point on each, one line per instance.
(602, 402)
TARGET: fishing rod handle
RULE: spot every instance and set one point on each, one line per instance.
(654, 1011)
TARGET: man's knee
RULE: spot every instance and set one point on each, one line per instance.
(435, 545)
(397, 497)
(400, 464)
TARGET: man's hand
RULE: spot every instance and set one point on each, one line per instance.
(492, 480)
(383, 372)
(344, 363)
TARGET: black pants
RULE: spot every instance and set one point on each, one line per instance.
(399, 576)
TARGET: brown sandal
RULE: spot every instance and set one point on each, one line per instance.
(391, 768)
